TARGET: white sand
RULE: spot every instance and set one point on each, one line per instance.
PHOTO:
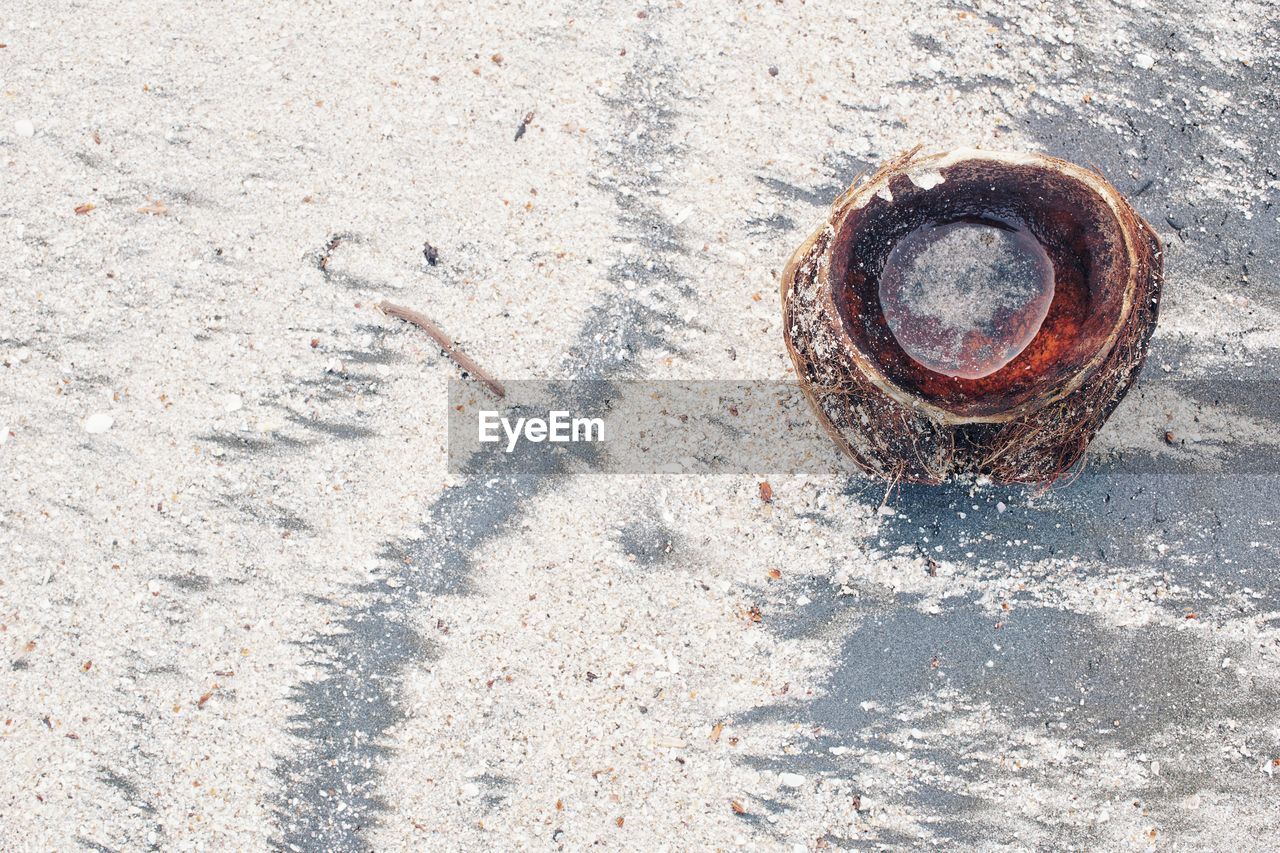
(165, 551)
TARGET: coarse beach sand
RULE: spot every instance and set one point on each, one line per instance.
(245, 604)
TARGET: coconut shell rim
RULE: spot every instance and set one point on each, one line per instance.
(911, 162)
(906, 440)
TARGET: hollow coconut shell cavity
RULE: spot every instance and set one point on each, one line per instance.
(1028, 421)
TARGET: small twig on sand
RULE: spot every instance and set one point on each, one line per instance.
(446, 343)
(897, 478)
(523, 125)
(323, 261)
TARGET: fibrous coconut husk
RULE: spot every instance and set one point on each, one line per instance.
(1031, 420)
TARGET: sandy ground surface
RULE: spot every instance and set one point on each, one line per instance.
(244, 604)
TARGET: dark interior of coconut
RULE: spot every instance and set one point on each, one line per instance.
(1073, 224)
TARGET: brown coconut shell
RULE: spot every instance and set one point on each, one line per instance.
(1031, 420)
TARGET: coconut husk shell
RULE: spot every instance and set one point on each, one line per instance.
(1032, 420)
